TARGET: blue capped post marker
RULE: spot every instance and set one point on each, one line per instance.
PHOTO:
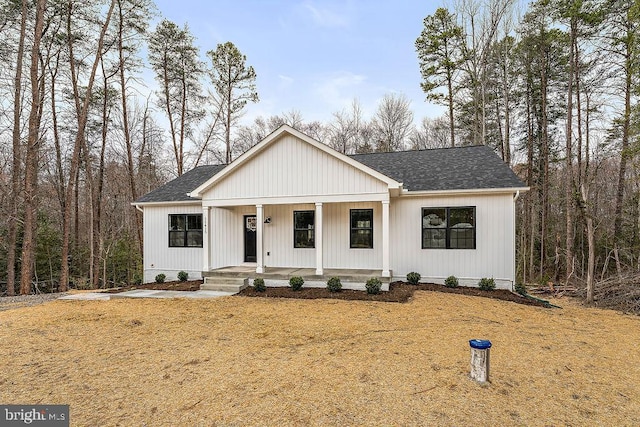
(480, 359)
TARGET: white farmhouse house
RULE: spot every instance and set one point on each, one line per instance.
(294, 206)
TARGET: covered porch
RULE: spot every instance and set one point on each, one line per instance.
(265, 239)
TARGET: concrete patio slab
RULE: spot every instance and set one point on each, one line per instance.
(87, 296)
(145, 293)
(207, 294)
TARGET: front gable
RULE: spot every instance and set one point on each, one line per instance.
(288, 165)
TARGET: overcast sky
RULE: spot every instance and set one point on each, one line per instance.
(315, 56)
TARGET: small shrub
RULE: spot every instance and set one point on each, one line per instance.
(487, 284)
(521, 288)
(451, 282)
(258, 284)
(183, 276)
(160, 278)
(334, 284)
(296, 283)
(137, 279)
(413, 278)
(373, 286)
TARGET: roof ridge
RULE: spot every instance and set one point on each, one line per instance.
(421, 150)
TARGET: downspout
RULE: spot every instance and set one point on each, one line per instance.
(515, 199)
(139, 208)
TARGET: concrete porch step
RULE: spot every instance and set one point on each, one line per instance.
(224, 284)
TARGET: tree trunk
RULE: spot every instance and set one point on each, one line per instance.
(568, 182)
(591, 244)
(507, 112)
(228, 119)
(16, 171)
(617, 228)
(32, 157)
(60, 184)
(451, 122)
(97, 198)
(544, 200)
(167, 98)
(125, 124)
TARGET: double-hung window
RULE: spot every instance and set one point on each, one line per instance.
(304, 229)
(361, 229)
(185, 231)
(449, 228)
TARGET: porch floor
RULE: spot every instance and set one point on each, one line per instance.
(285, 273)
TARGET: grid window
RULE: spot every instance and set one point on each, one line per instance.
(304, 229)
(361, 229)
(185, 231)
(448, 228)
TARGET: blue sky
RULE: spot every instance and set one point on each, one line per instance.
(316, 56)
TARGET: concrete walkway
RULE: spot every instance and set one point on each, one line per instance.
(145, 293)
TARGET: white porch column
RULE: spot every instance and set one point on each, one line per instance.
(260, 227)
(205, 238)
(385, 239)
(318, 239)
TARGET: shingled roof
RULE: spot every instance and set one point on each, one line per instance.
(442, 169)
(176, 190)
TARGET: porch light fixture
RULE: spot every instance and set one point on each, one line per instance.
(267, 220)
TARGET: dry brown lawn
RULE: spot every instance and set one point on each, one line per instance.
(239, 361)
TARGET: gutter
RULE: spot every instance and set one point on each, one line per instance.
(463, 192)
(515, 198)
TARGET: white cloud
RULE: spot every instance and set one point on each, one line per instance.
(325, 17)
(285, 80)
(339, 89)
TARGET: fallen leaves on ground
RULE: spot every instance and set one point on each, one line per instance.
(254, 361)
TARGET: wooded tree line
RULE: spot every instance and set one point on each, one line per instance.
(557, 95)
(554, 89)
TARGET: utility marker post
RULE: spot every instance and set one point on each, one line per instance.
(480, 360)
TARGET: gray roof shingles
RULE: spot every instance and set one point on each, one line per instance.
(441, 169)
(177, 189)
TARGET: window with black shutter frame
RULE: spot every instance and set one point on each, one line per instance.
(361, 236)
(185, 230)
(449, 228)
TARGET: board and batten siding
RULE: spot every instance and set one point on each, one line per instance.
(291, 167)
(337, 232)
(494, 255)
(158, 256)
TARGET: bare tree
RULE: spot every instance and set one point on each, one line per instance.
(132, 22)
(16, 169)
(82, 109)
(481, 22)
(344, 131)
(392, 123)
(432, 133)
(33, 148)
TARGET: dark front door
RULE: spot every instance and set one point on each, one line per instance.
(250, 227)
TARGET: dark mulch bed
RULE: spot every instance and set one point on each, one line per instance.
(398, 292)
(193, 285)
